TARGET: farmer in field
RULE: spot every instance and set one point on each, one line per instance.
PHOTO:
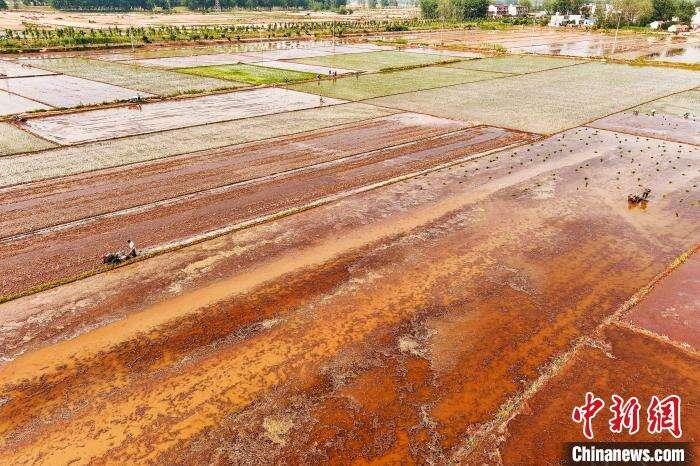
(132, 249)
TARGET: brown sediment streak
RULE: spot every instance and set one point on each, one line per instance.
(41, 361)
(513, 406)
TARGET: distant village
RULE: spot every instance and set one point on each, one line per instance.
(590, 14)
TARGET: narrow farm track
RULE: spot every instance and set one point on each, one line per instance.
(62, 200)
(61, 252)
(368, 328)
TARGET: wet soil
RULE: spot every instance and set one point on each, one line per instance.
(628, 364)
(66, 199)
(72, 248)
(671, 309)
(660, 126)
(386, 327)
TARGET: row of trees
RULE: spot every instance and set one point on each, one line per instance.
(267, 4)
(109, 5)
(631, 12)
(454, 10)
(127, 5)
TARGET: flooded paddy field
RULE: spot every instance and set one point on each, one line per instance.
(368, 86)
(393, 325)
(10, 69)
(194, 60)
(671, 308)
(290, 65)
(260, 192)
(65, 199)
(144, 80)
(98, 155)
(100, 124)
(620, 361)
(187, 51)
(515, 64)
(373, 61)
(560, 41)
(547, 101)
(65, 91)
(673, 118)
(11, 103)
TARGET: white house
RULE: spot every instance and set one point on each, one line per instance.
(497, 10)
(557, 20)
(563, 20)
(695, 20)
(517, 10)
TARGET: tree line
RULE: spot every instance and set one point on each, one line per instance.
(199, 5)
(454, 10)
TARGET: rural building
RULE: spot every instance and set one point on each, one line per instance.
(557, 20)
(677, 28)
(498, 10)
(517, 10)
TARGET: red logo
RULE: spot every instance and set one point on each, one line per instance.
(625, 415)
(665, 415)
(586, 412)
(662, 415)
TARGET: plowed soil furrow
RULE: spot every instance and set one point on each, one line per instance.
(368, 329)
(62, 200)
(79, 248)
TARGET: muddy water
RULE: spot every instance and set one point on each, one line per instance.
(62, 200)
(671, 309)
(66, 91)
(659, 126)
(76, 247)
(391, 340)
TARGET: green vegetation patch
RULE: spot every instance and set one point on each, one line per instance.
(549, 101)
(515, 64)
(250, 74)
(14, 141)
(368, 86)
(104, 154)
(373, 61)
(135, 77)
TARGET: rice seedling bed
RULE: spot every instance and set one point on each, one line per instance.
(250, 74)
(104, 154)
(138, 78)
(549, 101)
(13, 140)
(368, 86)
